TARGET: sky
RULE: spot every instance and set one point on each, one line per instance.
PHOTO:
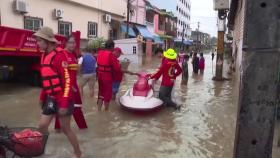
(201, 11)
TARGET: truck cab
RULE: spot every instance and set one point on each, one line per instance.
(20, 55)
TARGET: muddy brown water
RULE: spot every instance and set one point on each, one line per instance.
(204, 128)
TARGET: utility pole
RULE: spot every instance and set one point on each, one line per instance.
(258, 90)
(127, 17)
(184, 27)
(220, 46)
(197, 31)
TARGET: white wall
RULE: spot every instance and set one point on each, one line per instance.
(79, 15)
(127, 46)
(183, 18)
(113, 6)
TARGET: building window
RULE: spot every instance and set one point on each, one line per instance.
(32, 23)
(92, 29)
(177, 8)
(64, 28)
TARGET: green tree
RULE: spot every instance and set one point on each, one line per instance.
(96, 43)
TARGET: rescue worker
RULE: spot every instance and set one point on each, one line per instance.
(118, 76)
(106, 67)
(169, 70)
(56, 95)
(73, 68)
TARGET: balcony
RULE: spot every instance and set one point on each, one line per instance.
(161, 30)
(168, 27)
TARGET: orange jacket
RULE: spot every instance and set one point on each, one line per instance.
(56, 78)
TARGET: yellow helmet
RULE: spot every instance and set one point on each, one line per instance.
(170, 54)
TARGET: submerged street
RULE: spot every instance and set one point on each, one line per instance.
(204, 128)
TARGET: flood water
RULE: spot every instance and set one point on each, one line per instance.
(204, 128)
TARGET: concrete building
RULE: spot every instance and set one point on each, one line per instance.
(201, 40)
(236, 27)
(98, 18)
(182, 10)
(138, 12)
(162, 24)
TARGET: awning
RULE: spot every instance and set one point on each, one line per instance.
(166, 37)
(157, 40)
(178, 40)
(186, 42)
(144, 32)
(130, 30)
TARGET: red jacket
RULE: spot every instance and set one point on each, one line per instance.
(114, 66)
(60, 65)
(73, 68)
(169, 70)
(118, 74)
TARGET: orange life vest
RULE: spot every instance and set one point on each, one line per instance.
(51, 81)
(103, 61)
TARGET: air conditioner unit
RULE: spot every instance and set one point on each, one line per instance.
(57, 13)
(221, 4)
(20, 6)
(107, 18)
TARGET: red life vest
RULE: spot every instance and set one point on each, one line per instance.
(51, 81)
(103, 61)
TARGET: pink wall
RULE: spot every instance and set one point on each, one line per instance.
(149, 44)
(156, 21)
(139, 7)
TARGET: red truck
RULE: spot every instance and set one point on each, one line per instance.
(20, 55)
